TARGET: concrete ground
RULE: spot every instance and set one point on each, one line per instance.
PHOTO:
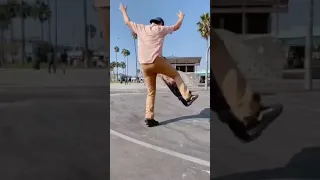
(56, 127)
(53, 126)
(288, 149)
(177, 149)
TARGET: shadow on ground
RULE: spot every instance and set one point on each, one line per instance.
(304, 165)
(205, 113)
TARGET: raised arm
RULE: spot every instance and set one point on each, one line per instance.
(179, 21)
(126, 18)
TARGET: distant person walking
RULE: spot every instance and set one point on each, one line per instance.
(51, 59)
(150, 45)
(64, 61)
(126, 81)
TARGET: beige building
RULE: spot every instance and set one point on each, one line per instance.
(185, 64)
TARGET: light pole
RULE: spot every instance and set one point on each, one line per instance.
(85, 22)
(207, 67)
(56, 33)
(309, 49)
(49, 25)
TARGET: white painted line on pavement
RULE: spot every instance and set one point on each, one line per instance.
(160, 149)
(129, 93)
(144, 93)
(206, 171)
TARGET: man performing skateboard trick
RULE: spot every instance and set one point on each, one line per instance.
(150, 43)
(233, 99)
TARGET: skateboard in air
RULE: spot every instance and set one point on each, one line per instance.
(174, 89)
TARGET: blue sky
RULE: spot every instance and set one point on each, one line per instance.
(185, 42)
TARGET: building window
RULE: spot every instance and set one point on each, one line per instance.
(256, 23)
(181, 68)
(231, 22)
(190, 68)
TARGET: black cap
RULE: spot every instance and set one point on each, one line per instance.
(157, 20)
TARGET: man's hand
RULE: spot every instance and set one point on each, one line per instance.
(179, 22)
(123, 8)
(126, 19)
(180, 15)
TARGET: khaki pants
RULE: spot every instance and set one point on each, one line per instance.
(233, 86)
(150, 72)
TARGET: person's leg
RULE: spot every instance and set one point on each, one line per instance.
(162, 66)
(233, 86)
(150, 78)
(64, 67)
(54, 66)
(244, 105)
(49, 66)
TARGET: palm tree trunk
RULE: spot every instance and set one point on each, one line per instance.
(86, 60)
(42, 31)
(56, 34)
(117, 66)
(1, 50)
(11, 40)
(124, 58)
(49, 25)
(23, 43)
(49, 32)
(127, 67)
(5, 47)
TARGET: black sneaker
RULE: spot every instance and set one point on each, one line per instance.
(151, 122)
(250, 132)
(236, 126)
(188, 102)
(266, 116)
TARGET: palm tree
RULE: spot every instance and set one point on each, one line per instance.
(5, 21)
(56, 31)
(49, 24)
(43, 14)
(135, 37)
(24, 12)
(86, 49)
(116, 50)
(118, 65)
(13, 7)
(204, 29)
(124, 54)
(123, 66)
(127, 53)
(113, 64)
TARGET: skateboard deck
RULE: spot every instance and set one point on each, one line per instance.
(174, 88)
